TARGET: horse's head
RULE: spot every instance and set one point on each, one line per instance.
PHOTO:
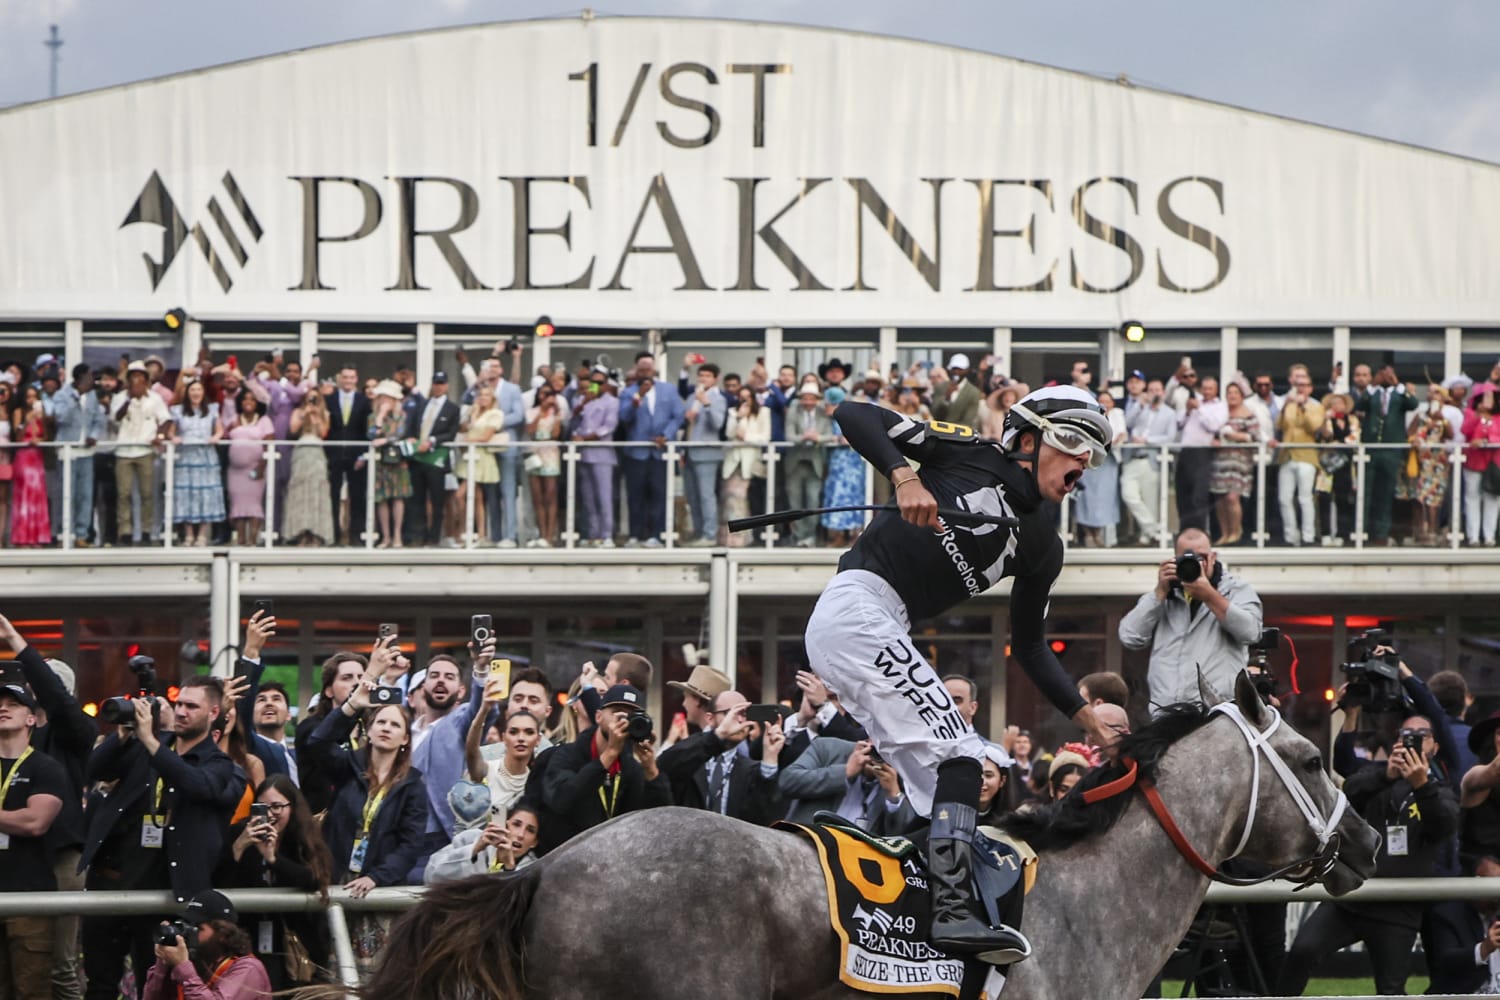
(1296, 801)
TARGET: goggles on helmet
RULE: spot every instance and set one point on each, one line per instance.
(1064, 435)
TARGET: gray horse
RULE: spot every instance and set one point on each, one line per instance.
(683, 903)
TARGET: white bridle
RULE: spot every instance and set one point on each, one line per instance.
(1259, 741)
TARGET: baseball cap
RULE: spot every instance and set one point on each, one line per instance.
(1137, 373)
(624, 694)
(209, 905)
(64, 673)
(20, 693)
(958, 361)
(440, 377)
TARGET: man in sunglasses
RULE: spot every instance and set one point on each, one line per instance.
(911, 565)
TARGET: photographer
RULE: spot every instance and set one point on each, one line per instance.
(163, 823)
(280, 845)
(499, 846)
(1199, 622)
(33, 788)
(712, 770)
(604, 773)
(1417, 815)
(217, 966)
(66, 734)
(1406, 696)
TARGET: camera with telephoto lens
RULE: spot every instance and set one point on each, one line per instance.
(640, 727)
(168, 932)
(120, 711)
(1189, 567)
(384, 695)
(1260, 674)
(1373, 682)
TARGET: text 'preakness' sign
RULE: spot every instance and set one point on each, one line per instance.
(655, 172)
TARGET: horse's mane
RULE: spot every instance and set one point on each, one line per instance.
(1062, 824)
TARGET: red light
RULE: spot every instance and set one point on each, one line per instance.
(1329, 694)
(544, 327)
(133, 649)
(1059, 646)
(173, 692)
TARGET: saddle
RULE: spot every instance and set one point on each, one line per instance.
(879, 907)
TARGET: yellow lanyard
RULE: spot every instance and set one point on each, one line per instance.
(372, 806)
(614, 796)
(5, 785)
(499, 861)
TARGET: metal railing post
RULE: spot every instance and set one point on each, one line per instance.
(268, 528)
(1262, 458)
(369, 535)
(469, 459)
(869, 515)
(669, 533)
(773, 455)
(343, 950)
(570, 507)
(1163, 496)
(1456, 515)
(168, 510)
(1361, 459)
(67, 496)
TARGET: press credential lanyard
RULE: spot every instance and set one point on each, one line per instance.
(152, 822)
(5, 790)
(357, 856)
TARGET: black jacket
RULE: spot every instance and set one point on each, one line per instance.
(444, 428)
(355, 430)
(398, 834)
(1454, 929)
(1429, 817)
(252, 872)
(573, 790)
(200, 791)
(752, 796)
(68, 738)
(314, 780)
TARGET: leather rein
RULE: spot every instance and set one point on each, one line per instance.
(1305, 871)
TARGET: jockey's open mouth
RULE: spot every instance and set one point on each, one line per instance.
(1071, 480)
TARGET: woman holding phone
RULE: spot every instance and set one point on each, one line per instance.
(376, 826)
(280, 846)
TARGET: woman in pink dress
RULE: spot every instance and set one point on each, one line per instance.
(30, 524)
(247, 455)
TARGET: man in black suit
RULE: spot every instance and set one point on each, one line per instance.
(348, 420)
(432, 426)
(712, 770)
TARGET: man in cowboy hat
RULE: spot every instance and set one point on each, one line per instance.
(703, 685)
(141, 420)
(834, 371)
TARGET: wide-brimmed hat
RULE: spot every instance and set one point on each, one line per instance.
(389, 387)
(874, 374)
(1482, 736)
(833, 363)
(1348, 400)
(136, 366)
(810, 390)
(704, 682)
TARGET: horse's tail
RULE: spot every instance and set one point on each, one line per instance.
(462, 940)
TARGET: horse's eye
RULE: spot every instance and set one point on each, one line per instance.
(1313, 765)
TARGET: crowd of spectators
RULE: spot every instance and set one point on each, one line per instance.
(400, 774)
(486, 430)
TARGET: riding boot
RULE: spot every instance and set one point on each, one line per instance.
(956, 927)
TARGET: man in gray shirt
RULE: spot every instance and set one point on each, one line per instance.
(1151, 424)
(706, 411)
(1204, 626)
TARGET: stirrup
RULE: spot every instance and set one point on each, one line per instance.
(1019, 952)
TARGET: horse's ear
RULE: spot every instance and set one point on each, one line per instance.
(1206, 693)
(1248, 700)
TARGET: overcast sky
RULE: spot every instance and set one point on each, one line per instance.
(1420, 73)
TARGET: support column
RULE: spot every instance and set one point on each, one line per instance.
(426, 352)
(541, 354)
(73, 347)
(1229, 354)
(887, 349)
(772, 350)
(1000, 348)
(657, 345)
(222, 615)
(307, 345)
(1341, 358)
(1112, 346)
(719, 654)
(1453, 352)
(192, 342)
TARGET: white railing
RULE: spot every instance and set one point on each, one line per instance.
(1348, 497)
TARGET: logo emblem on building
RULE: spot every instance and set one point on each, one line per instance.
(154, 206)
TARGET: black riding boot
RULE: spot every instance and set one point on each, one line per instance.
(956, 927)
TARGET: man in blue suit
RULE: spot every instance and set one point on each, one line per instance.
(508, 399)
(652, 415)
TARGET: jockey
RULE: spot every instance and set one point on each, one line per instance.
(910, 566)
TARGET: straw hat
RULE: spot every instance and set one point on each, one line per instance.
(389, 387)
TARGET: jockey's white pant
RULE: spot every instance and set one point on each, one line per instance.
(859, 644)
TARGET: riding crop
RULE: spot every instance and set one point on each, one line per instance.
(788, 516)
